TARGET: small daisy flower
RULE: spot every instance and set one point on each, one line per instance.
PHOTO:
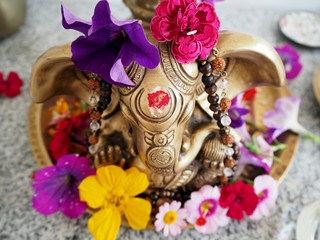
(266, 188)
(204, 211)
(171, 219)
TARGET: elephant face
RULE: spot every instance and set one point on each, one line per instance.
(159, 108)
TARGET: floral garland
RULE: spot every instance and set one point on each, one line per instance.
(72, 185)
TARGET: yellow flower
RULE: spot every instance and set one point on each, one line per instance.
(112, 191)
(61, 106)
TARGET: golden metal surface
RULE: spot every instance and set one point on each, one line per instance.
(162, 140)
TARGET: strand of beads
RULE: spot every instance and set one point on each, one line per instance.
(99, 99)
(213, 69)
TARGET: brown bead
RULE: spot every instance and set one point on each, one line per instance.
(95, 115)
(211, 90)
(225, 104)
(206, 69)
(214, 107)
(223, 180)
(229, 163)
(218, 64)
(213, 98)
(93, 84)
(227, 139)
(93, 139)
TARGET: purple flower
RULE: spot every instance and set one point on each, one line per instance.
(285, 117)
(237, 111)
(255, 150)
(109, 45)
(290, 58)
(56, 187)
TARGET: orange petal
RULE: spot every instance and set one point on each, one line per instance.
(137, 182)
(92, 192)
(137, 212)
(105, 224)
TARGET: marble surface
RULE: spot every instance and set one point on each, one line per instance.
(43, 30)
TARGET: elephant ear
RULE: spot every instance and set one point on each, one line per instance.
(251, 62)
(54, 74)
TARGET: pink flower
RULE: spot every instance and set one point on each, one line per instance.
(267, 190)
(170, 219)
(204, 211)
(193, 29)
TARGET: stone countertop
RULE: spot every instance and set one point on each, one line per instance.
(43, 30)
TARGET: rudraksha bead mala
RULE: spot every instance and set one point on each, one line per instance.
(214, 78)
(99, 99)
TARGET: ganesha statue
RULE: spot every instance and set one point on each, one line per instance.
(162, 122)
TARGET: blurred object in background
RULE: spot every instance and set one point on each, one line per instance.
(308, 222)
(302, 27)
(316, 84)
(12, 15)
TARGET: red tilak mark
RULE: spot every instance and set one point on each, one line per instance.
(158, 99)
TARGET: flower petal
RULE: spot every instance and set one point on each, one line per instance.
(112, 177)
(137, 182)
(105, 224)
(91, 54)
(139, 49)
(119, 75)
(101, 17)
(70, 204)
(69, 21)
(92, 192)
(137, 212)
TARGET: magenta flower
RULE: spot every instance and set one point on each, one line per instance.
(56, 187)
(237, 111)
(267, 190)
(285, 117)
(109, 45)
(211, 1)
(290, 58)
(192, 29)
(204, 211)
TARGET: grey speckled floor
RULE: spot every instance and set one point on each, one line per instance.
(41, 31)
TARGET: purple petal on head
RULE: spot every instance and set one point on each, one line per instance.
(89, 56)
(119, 75)
(139, 49)
(102, 16)
(69, 21)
